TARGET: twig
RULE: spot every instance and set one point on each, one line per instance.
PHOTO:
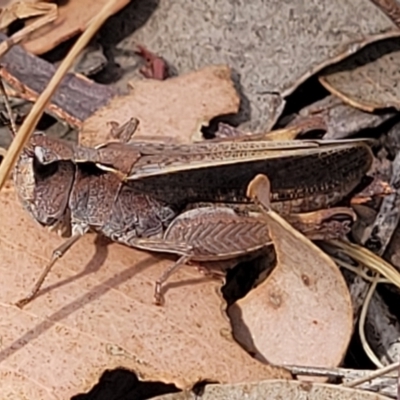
(8, 108)
(361, 325)
(376, 374)
(357, 270)
(369, 259)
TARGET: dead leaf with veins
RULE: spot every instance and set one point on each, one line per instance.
(96, 312)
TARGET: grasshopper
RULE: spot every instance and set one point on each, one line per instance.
(218, 171)
(140, 194)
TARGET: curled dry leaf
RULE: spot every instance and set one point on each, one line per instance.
(339, 119)
(302, 313)
(369, 79)
(276, 389)
(95, 312)
(73, 17)
(172, 109)
(24, 9)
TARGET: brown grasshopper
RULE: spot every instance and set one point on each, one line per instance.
(218, 171)
(138, 194)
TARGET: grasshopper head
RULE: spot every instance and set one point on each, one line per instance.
(43, 189)
(49, 150)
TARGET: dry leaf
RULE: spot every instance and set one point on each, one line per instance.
(276, 389)
(21, 10)
(341, 120)
(172, 109)
(73, 17)
(265, 43)
(302, 313)
(369, 79)
(96, 312)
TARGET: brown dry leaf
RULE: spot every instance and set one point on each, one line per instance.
(96, 312)
(22, 10)
(73, 17)
(276, 389)
(265, 43)
(369, 79)
(172, 109)
(295, 130)
(302, 313)
(341, 120)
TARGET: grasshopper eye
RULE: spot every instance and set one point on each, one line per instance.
(45, 155)
(43, 171)
(40, 154)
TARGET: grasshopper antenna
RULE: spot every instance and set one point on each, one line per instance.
(8, 108)
(12, 125)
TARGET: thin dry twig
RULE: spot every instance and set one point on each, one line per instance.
(369, 259)
(33, 117)
(338, 372)
(376, 374)
(361, 325)
(8, 108)
(359, 270)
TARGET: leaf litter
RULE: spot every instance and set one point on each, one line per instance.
(324, 274)
(64, 311)
(267, 69)
(80, 297)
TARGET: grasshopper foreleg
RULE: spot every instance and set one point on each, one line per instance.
(57, 254)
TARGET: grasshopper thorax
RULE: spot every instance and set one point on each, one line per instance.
(44, 189)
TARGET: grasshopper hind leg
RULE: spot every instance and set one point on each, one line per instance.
(158, 295)
(172, 247)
